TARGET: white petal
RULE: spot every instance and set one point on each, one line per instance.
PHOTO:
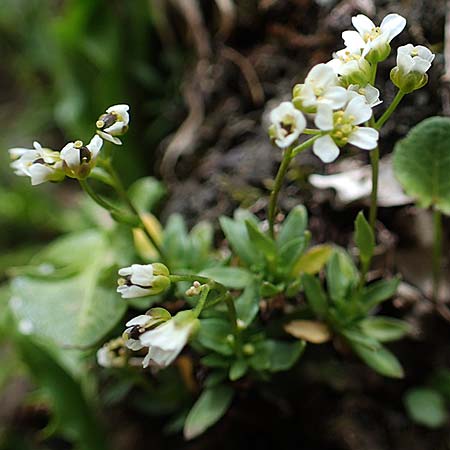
(324, 117)
(142, 274)
(307, 96)
(95, 145)
(321, 76)
(392, 25)
(353, 39)
(405, 62)
(141, 320)
(115, 129)
(17, 152)
(71, 155)
(108, 137)
(40, 173)
(359, 109)
(326, 149)
(162, 357)
(103, 357)
(420, 65)
(134, 344)
(424, 53)
(336, 96)
(37, 146)
(364, 137)
(132, 291)
(372, 95)
(363, 24)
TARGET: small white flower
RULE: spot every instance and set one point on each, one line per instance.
(351, 65)
(321, 87)
(166, 341)
(112, 354)
(414, 59)
(136, 327)
(369, 92)
(40, 164)
(137, 281)
(371, 38)
(287, 124)
(342, 128)
(79, 159)
(113, 123)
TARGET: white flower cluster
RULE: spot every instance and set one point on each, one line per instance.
(340, 94)
(75, 159)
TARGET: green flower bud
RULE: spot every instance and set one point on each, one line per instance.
(408, 82)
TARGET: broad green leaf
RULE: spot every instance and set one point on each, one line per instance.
(230, 277)
(237, 236)
(268, 289)
(342, 275)
(355, 336)
(207, 410)
(73, 416)
(378, 292)
(422, 163)
(290, 253)
(364, 238)
(276, 356)
(247, 304)
(145, 193)
(313, 260)
(238, 369)
(426, 407)
(384, 329)
(317, 299)
(294, 226)
(261, 241)
(216, 361)
(215, 334)
(381, 360)
(76, 311)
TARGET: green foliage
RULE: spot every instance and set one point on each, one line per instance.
(364, 239)
(426, 407)
(422, 163)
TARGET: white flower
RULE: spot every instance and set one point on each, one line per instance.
(166, 341)
(373, 39)
(414, 59)
(112, 354)
(40, 164)
(342, 128)
(79, 159)
(351, 65)
(113, 123)
(137, 281)
(287, 124)
(369, 92)
(321, 87)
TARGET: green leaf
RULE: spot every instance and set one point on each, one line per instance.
(176, 242)
(270, 290)
(290, 253)
(200, 241)
(426, 407)
(215, 334)
(145, 193)
(247, 304)
(237, 236)
(384, 329)
(378, 292)
(207, 410)
(294, 226)
(317, 299)
(342, 275)
(381, 360)
(354, 336)
(364, 238)
(76, 311)
(230, 277)
(313, 260)
(276, 356)
(261, 241)
(73, 414)
(238, 369)
(422, 163)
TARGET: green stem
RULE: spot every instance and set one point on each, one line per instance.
(202, 300)
(234, 321)
(311, 131)
(437, 252)
(388, 113)
(289, 153)
(373, 75)
(374, 160)
(97, 199)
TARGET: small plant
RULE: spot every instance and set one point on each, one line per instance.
(237, 309)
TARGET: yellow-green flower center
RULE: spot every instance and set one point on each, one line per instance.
(343, 127)
(372, 34)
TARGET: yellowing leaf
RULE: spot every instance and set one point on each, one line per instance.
(309, 330)
(153, 226)
(313, 260)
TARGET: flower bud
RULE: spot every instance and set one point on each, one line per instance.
(113, 123)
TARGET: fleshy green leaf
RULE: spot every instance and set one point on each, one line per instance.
(313, 260)
(247, 304)
(341, 275)
(317, 299)
(230, 277)
(276, 356)
(381, 360)
(215, 334)
(378, 292)
(207, 410)
(426, 407)
(384, 329)
(238, 369)
(261, 241)
(145, 193)
(176, 242)
(422, 163)
(364, 238)
(290, 253)
(294, 226)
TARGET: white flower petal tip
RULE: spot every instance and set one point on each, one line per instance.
(113, 123)
(287, 123)
(325, 149)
